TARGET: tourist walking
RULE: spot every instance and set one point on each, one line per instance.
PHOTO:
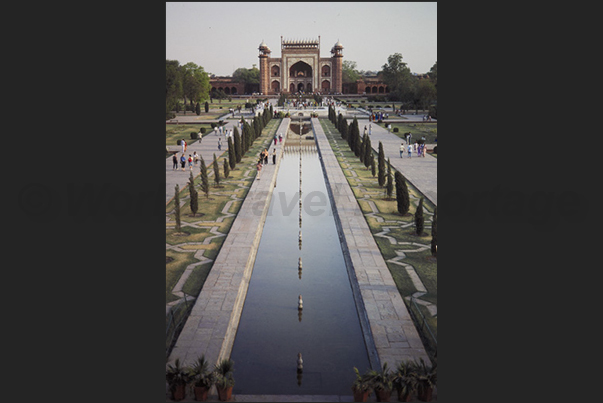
(401, 149)
(424, 149)
(370, 129)
(174, 162)
(275, 138)
(182, 161)
(280, 137)
(259, 168)
(220, 143)
(365, 131)
(182, 144)
(409, 151)
(195, 157)
(274, 156)
(190, 162)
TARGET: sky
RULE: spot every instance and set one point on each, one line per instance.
(224, 36)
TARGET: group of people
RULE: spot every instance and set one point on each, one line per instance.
(263, 160)
(194, 158)
(419, 149)
(279, 138)
(378, 116)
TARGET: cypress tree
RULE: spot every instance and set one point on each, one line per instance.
(204, 179)
(419, 219)
(381, 165)
(402, 194)
(434, 233)
(344, 130)
(177, 207)
(206, 107)
(368, 152)
(362, 147)
(357, 143)
(373, 170)
(193, 194)
(390, 186)
(198, 109)
(216, 171)
(232, 159)
(237, 146)
(226, 168)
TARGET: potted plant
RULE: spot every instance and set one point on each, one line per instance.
(405, 380)
(382, 382)
(426, 380)
(224, 379)
(361, 387)
(177, 377)
(202, 378)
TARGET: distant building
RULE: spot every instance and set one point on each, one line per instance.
(301, 69)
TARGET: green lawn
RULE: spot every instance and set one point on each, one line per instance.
(209, 210)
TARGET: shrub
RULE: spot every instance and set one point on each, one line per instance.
(194, 135)
(435, 149)
(202, 130)
(395, 130)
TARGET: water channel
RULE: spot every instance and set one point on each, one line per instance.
(272, 330)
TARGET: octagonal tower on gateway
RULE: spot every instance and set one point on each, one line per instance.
(300, 68)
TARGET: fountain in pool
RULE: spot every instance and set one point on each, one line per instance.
(329, 337)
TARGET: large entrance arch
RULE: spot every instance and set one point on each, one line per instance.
(300, 69)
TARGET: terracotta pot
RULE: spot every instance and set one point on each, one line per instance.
(404, 397)
(201, 393)
(361, 396)
(224, 395)
(178, 392)
(424, 394)
(383, 395)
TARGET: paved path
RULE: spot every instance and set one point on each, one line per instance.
(206, 148)
(386, 323)
(211, 326)
(422, 172)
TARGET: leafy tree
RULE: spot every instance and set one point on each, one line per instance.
(177, 207)
(232, 158)
(193, 194)
(433, 74)
(426, 93)
(402, 196)
(434, 233)
(419, 219)
(195, 82)
(381, 165)
(251, 78)
(397, 76)
(204, 179)
(216, 171)
(173, 85)
(349, 74)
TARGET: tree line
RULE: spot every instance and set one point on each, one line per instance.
(363, 150)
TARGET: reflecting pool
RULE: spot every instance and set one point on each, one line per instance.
(272, 330)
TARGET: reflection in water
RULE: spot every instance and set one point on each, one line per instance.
(329, 335)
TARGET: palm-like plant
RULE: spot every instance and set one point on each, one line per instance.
(201, 374)
(405, 380)
(426, 379)
(177, 376)
(223, 373)
(362, 382)
(382, 382)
